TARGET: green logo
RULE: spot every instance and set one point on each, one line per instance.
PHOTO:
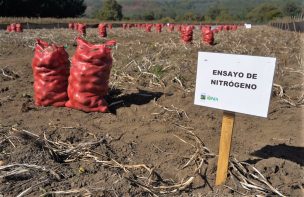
(209, 98)
(212, 98)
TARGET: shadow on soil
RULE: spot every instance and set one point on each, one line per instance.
(283, 151)
(141, 97)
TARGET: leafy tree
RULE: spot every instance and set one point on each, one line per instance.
(291, 8)
(263, 13)
(111, 10)
(58, 8)
(45, 8)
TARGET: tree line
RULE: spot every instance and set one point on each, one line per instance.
(112, 10)
(42, 8)
(261, 13)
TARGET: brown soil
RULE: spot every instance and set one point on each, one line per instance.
(148, 123)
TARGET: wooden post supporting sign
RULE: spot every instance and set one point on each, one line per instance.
(225, 145)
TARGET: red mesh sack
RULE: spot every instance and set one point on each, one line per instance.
(187, 33)
(19, 27)
(205, 28)
(207, 36)
(220, 28)
(76, 26)
(71, 25)
(8, 28)
(51, 70)
(148, 27)
(102, 30)
(234, 27)
(82, 29)
(89, 78)
(226, 28)
(13, 27)
(158, 28)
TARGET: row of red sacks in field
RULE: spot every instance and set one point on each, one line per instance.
(207, 35)
(14, 27)
(148, 27)
(186, 31)
(82, 86)
(81, 28)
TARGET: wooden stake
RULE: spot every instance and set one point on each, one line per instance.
(225, 144)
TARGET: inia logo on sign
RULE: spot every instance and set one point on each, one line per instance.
(209, 98)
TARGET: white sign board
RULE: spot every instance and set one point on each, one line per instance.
(236, 83)
(247, 26)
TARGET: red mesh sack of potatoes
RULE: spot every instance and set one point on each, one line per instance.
(89, 76)
(205, 28)
(148, 27)
(234, 27)
(158, 28)
(71, 25)
(51, 71)
(19, 27)
(207, 36)
(187, 34)
(82, 29)
(76, 26)
(220, 28)
(13, 27)
(102, 30)
(226, 28)
(8, 28)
